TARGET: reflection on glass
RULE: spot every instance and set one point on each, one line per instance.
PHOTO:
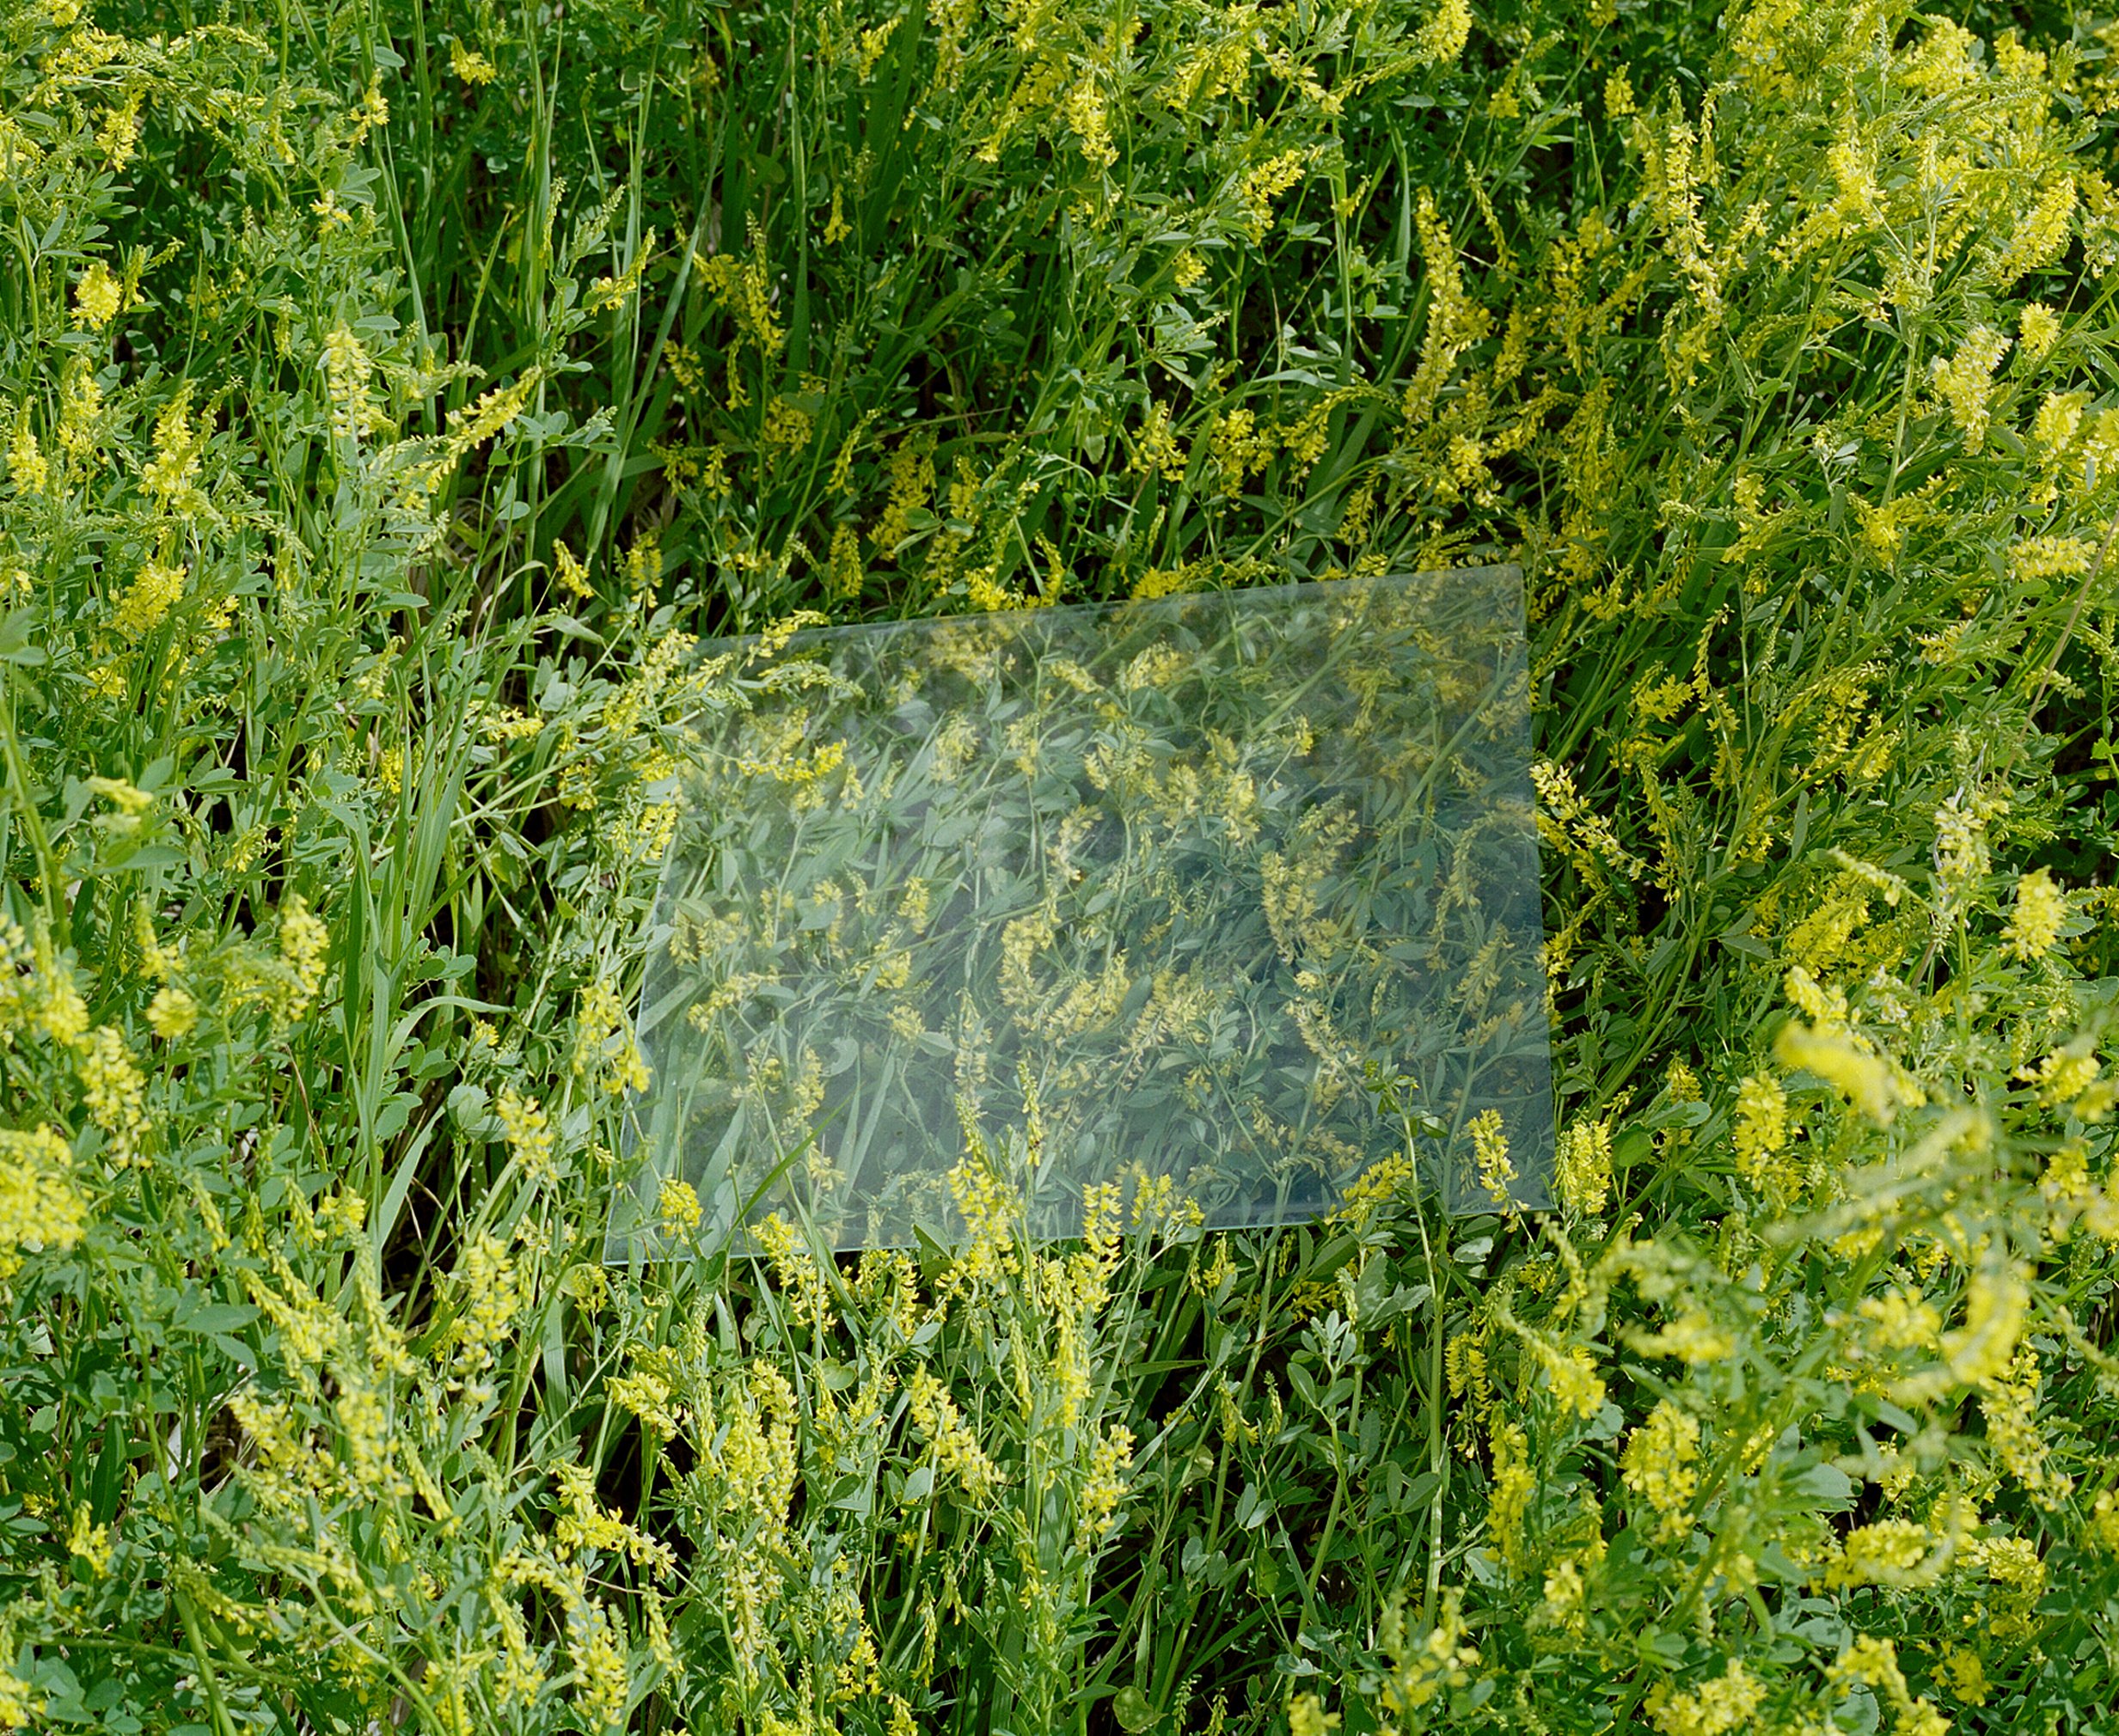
(1178, 871)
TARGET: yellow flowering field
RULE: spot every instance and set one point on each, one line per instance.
(393, 396)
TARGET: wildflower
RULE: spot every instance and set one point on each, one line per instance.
(604, 1050)
(1996, 1303)
(1961, 381)
(26, 463)
(2038, 328)
(41, 1210)
(1265, 182)
(372, 112)
(2034, 926)
(1889, 1552)
(742, 288)
(2054, 427)
(1106, 1485)
(1307, 1717)
(596, 1646)
(1846, 1062)
(346, 370)
(98, 297)
(843, 576)
(2064, 1075)
(1618, 99)
(494, 412)
(485, 1286)
(2104, 1522)
(303, 943)
(530, 1134)
(573, 577)
(1962, 1672)
(1563, 1605)
(469, 65)
(2047, 557)
(1761, 1129)
(1441, 38)
(2040, 236)
(80, 410)
(1084, 108)
(1582, 1167)
(677, 1206)
(1156, 450)
(1513, 1483)
(2010, 1405)
(1693, 1338)
(957, 1450)
(1658, 1463)
(837, 229)
(608, 292)
(143, 604)
(19, 1702)
(1712, 1708)
(114, 1091)
(172, 1014)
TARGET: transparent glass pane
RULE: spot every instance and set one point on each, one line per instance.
(1183, 868)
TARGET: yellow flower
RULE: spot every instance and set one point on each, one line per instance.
(1491, 1152)
(98, 297)
(1761, 1129)
(469, 65)
(1712, 1708)
(1961, 381)
(1657, 1464)
(677, 1206)
(530, 1134)
(19, 1702)
(172, 1013)
(40, 1208)
(147, 599)
(1513, 1483)
(26, 463)
(2038, 328)
(346, 371)
(303, 943)
(1890, 1552)
(1443, 36)
(1307, 1717)
(2034, 926)
(1582, 1167)
(605, 1051)
(1963, 1673)
(114, 1091)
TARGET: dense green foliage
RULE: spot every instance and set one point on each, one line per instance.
(389, 394)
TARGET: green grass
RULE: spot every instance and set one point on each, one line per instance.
(361, 482)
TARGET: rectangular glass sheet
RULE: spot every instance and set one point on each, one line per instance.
(1183, 869)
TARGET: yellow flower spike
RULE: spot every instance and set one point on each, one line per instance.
(172, 1014)
(144, 603)
(41, 1210)
(530, 1136)
(98, 297)
(114, 1091)
(2034, 926)
(1659, 1464)
(1716, 1706)
(1845, 1062)
(90, 1543)
(469, 65)
(677, 1206)
(1307, 1717)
